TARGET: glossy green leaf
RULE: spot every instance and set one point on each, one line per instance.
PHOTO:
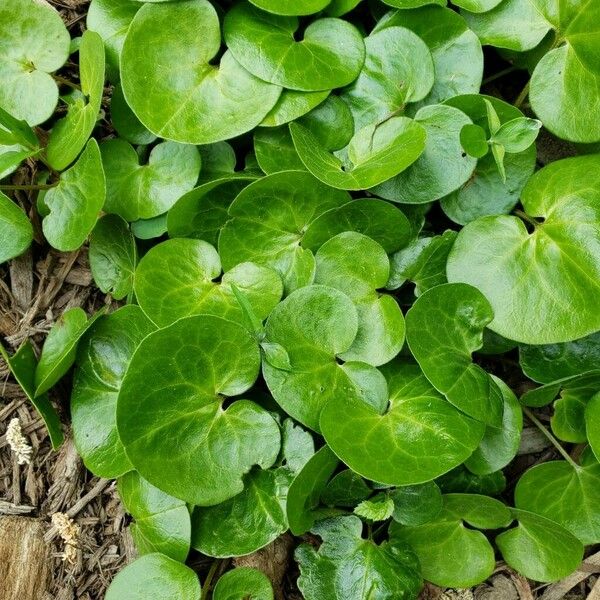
(35, 44)
(499, 444)
(17, 131)
(330, 54)
(461, 480)
(243, 583)
(203, 211)
(551, 362)
(297, 445)
(103, 357)
(398, 69)
(162, 523)
(543, 395)
(69, 134)
(268, 220)
(166, 294)
(394, 445)
(291, 7)
(291, 105)
(461, 556)
(592, 420)
(136, 191)
(561, 257)
(359, 267)
(154, 577)
(172, 86)
(337, 8)
(350, 567)
(248, 521)
(22, 365)
(60, 347)
(113, 256)
(539, 548)
(75, 203)
(16, 231)
(306, 489)
(473, 139)
(275, 150)
(517, 135)
(417, 504)
(441, 168)
(126, 124)
(170, 404)
(443, 328)
(569, 495)
(477, 6)
(377, 508)
(375, 153)
(148, 229)
(345, 489)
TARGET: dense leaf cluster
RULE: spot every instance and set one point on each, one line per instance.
(313, 342)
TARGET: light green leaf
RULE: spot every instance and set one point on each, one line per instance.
(473, 139)
(35, 43)
(443, 328)
(74, 204)
(264, 44)
(170, 404)
(517, 135)
(561, 257)
(416, 438)
(243, 583)
(136, 191)
(148, 229)
(103, 357)
(477, 6)
(162, 523)
(69, 134)
(292, 105)
(592, 420)
(291, 7)
(126, 124)
(16, 231)
(171, 85)
(275, 150)
(297, 446)
(378, 508)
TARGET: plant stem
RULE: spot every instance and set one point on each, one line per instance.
(526, 217)
(499, 74)
(521, 97)
(550, 437)
(41, 186)
(66, 82)
(207, 585)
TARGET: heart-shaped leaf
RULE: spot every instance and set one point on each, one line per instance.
(162, 523)
(103, 357)
(166, 294)
(443, 328)
(171, 85)
(329, 56)
(394, 445)
(243, 583)
(561, 257)
(35, 43)
(16, 231)
(210, 448)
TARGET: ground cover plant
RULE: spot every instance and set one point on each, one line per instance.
(343, 282)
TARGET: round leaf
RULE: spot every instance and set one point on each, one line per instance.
(243, 583)
(16, 231)
(473, 139)
(291, 7)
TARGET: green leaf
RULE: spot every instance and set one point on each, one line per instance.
(264, 44)
(473, 139)
(297, 446)
(136, 191)
(416, 504)
(60, 348)
(561, 257)
(202, 212)
(359, 267)
(378, 508)
(423, 262)
(566, 494)
(550, 362)
(415, 437)
(455, 49)
(126, 124)
(517, 135)
(331, 123)
(592, 418)
(443, 328)
(148, 229)
(22, 365)
(171, 404)
(460, 557)
(398, 69)
(306, 489)
(243, 583)
(575, 385)
(18, 131)
(268, 220)
(539, 548)
(275, 150)
(375, 153)
(103, 357)
(291, 7)
(350, 567)
(345, 489)
(276, 355)
(11, 157)
(292, 105)
(462, 480)
(381, 221)
(477, 6)
(113, 256)
(69, 134)
(498, 152)
(172, 87)
(152, 577)
(166, 294)
(499, 444)
(162, 523)
(16, 231)
(74, 204)
(441, 168)
(35, 44)
(247, 522)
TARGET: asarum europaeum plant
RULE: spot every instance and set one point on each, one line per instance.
(317, 341)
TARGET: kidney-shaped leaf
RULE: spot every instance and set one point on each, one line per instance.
(243, 583)
(170, 404)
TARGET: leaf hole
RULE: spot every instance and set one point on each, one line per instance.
(215, 61)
